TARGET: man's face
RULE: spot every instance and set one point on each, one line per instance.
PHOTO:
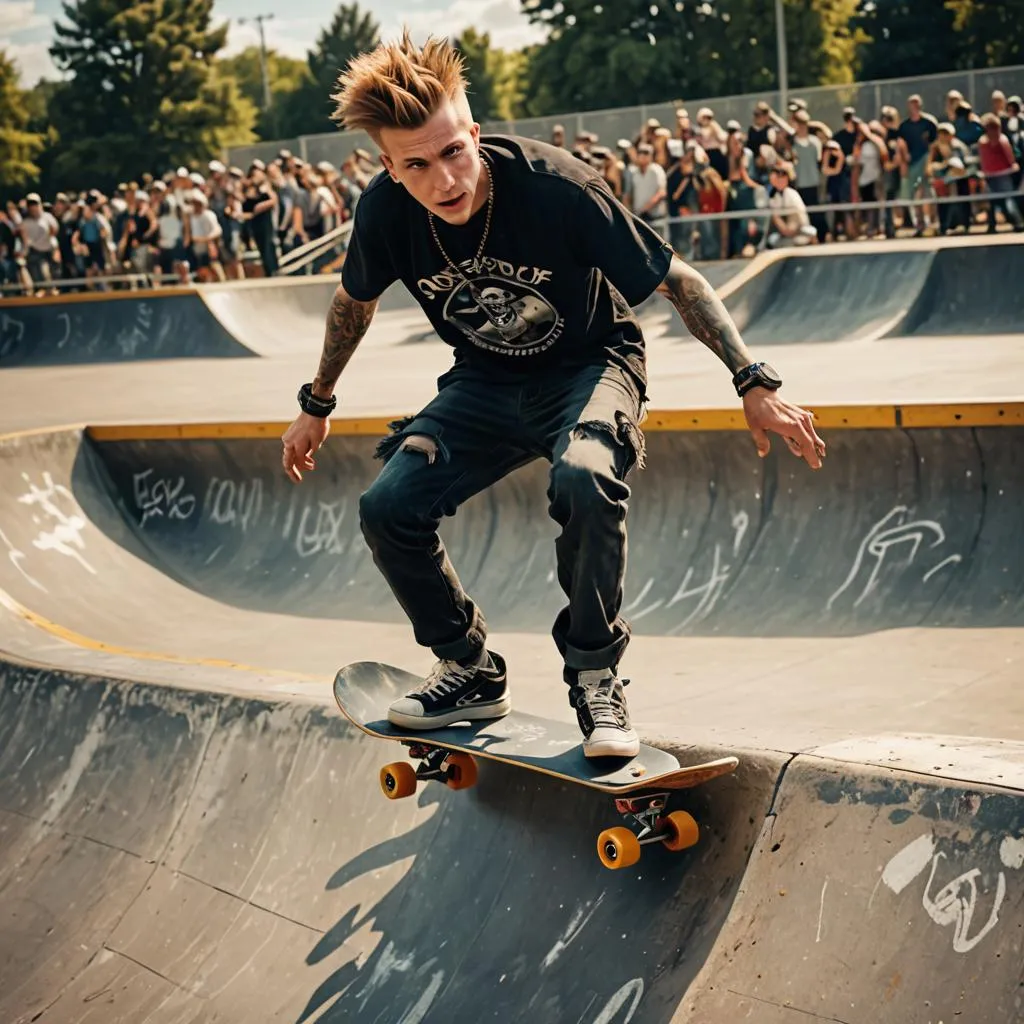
(558, 137)
(439, 164)
(914, 108)
(643, 161)
(34, 210)
(998, 104)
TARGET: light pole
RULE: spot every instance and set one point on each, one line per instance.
(780, 42)
(259, 19)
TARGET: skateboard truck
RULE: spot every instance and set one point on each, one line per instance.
(454, 769)
(648, 823)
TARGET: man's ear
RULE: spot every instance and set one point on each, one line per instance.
(389, 166)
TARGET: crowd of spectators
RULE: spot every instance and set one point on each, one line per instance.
(672, 176)
(228, 223)
(223, 224)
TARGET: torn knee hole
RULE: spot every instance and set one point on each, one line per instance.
(624, 433)
(421, 443)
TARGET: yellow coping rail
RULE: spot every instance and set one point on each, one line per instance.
(827, 417)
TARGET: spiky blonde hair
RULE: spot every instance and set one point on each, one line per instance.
(398, 85)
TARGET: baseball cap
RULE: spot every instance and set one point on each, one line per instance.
(216, 167)
(849, 112)
(33, 197)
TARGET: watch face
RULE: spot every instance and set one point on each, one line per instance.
(770, 374)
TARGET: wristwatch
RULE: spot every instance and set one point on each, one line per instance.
(756, 375)
(313, 406)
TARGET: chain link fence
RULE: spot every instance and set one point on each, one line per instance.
(825, 102)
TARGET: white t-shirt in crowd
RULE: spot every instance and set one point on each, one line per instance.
(204, 225)
(870, 163)
(807, 155)
(646, 185)
(791, 208)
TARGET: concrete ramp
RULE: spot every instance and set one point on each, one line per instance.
(842, 296)
(169, 856)
(970, 291)
(122, 327)
(179, 857)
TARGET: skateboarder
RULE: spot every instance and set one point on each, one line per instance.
(528, 267)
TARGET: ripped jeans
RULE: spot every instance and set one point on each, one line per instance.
(586, 423)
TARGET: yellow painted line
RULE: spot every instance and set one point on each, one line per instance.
(73, 298)
(830, 417)
(968, 414)
(81, 640)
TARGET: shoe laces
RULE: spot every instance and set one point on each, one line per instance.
(445, 677)
(605, 701)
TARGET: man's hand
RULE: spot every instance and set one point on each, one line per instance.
(766, 410)
(301, 441)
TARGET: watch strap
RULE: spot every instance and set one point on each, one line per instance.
(314, 406)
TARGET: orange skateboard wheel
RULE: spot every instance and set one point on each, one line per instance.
(618, 848)
(398, 780)
(462, 771)
(681, 831)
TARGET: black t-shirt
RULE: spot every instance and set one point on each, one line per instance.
(847, 140)
(919, 136)
(687, 193)
(562, 267)
(264, 220)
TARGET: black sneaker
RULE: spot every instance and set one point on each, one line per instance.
(455, 693)
(602, 713)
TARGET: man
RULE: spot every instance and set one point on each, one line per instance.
(1000, 167)
(527, 266)
(807, 153)
(39, 239)
(790, 223)
(918, 131)
(647, 187)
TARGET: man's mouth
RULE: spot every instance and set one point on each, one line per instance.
(451, 204)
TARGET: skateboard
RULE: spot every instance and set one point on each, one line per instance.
(641, 785)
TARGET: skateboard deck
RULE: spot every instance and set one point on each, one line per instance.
(551, 747)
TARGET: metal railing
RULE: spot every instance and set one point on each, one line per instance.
(304, 260)
(825, 102)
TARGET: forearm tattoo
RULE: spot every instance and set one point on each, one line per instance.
(347, 322)
(704, 314)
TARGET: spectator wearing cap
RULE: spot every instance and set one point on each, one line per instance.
(999, 164)
(259, 205)
(225, 203)
(39, 239)
(807, 160)
(968, 125)
(558, 136)
(713, 138)
(314, 205)
(684, 126)
(9, 241)
(954, 97)
(205, 234)
(997, 106)
(870, 154)
(92, 238)
(681, 196)
(610, 168)
(67, 220)
(660, 144)
(919, 131)
(765, 126)
(895, 163)
(1014, 131)
(647, 188)
(840, 186)
(181, 187)
(790, 224)
(138, 231)
(947, 171)
(741, 192)
(833, 165)
(281, 174)
(171, 256)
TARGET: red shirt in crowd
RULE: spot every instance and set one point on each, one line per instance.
(996, 157)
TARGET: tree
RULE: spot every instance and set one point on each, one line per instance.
(307, 110)
(496, 77)
(285, 75)
(905, 37)
(634, 51)
(988, 34)
(19, 147)
(143, 92)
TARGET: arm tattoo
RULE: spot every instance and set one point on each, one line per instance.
(704, 315)
(347, 322)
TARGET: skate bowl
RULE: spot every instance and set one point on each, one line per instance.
(173, 853)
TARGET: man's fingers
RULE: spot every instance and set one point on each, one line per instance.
(760, 437)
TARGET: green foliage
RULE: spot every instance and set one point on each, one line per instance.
(497, 78)
(307, 109)
(907, 37)
(989, 34)
(19, 145)
(285, 75)
(142, 91)
(627, 52)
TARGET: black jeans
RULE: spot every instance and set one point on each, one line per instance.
(586, 423)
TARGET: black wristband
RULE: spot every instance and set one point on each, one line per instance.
(313, 406)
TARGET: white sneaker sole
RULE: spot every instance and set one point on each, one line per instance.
(470, 713)
(612, 744)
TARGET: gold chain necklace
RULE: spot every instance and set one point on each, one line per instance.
(487, 225)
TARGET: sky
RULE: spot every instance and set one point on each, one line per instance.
(26, 26)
